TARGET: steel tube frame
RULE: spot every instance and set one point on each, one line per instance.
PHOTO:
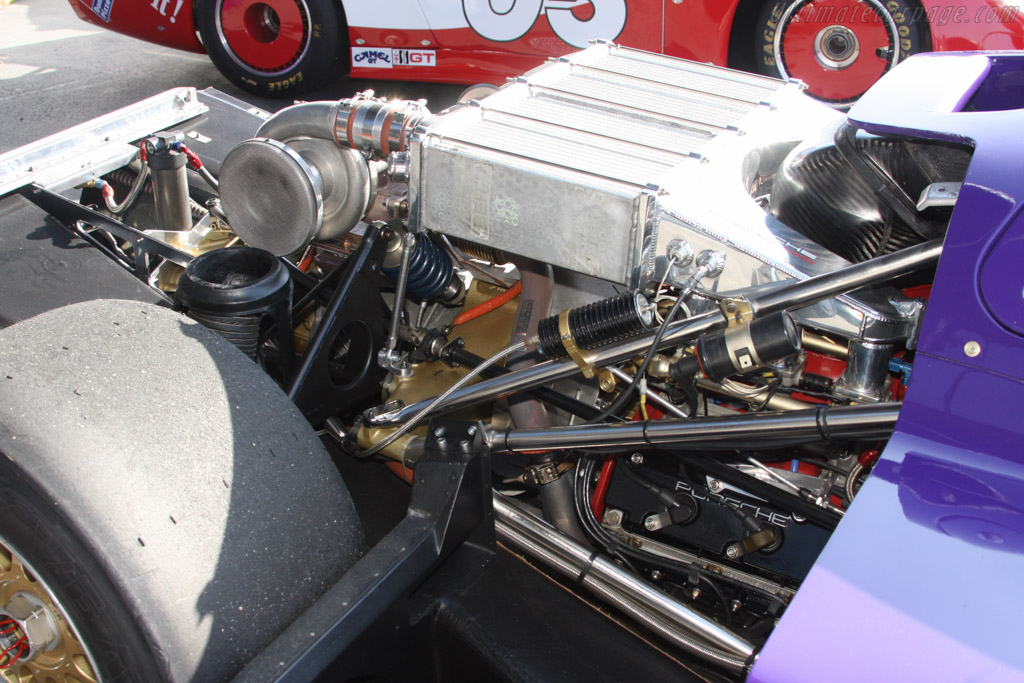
(787, 297)
(786, 428)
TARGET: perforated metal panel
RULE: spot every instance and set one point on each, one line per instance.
(272, 197)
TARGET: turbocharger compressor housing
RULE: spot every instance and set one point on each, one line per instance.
(281, 196)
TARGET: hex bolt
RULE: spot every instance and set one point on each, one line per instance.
(439, 432)
(471, 430)
(695, 593)
(714, 486)
(732, 552)
(680, 253)
(613, 517)
(651, 524)
(442, 442)
(466, 445)
(636, 459)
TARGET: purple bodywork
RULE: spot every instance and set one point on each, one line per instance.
(924, 578)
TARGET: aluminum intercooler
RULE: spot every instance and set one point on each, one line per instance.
(597, 161)
(567, 164)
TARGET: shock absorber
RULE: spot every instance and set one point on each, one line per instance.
(592, 326)
(431, 274)
(170, 182)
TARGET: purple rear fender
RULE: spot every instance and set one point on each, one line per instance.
(922, 580)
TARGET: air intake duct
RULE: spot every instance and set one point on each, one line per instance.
(232, 290)
(855, 195)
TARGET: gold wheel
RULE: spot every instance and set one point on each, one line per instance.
(38, 642)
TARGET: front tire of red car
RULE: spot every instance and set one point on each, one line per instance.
(838, 48)
(275, 48)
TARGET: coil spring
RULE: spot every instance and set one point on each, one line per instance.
(430, 270)
(597, 324)
(479, 251)
(125, 179)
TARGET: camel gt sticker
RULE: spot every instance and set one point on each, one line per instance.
(372, 57)
(386, 58)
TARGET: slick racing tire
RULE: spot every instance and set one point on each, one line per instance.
(275, 48)
(166, 511)
(838, 48)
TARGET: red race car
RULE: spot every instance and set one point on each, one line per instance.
(837, 47)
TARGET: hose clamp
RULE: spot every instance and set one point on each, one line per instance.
(569, 342)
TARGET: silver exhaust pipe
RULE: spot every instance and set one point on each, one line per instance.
(674, 621)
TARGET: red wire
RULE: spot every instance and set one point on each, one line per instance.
(491, 304)
(193, 159)
(601, 490)
(307, 259)
(20, 644)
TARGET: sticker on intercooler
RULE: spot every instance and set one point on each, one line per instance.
(102, 8)
(800, 252)
(413, 58)
(372, 57)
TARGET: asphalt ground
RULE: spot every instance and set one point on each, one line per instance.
(57, 71)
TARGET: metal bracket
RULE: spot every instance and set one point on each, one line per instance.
(539, 475)
(70, 213)
(737, 311)
(450, 511)
(569, 342)
(354, 310)
(752, 543)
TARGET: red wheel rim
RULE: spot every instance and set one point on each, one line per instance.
(264, 35)
(839, 48)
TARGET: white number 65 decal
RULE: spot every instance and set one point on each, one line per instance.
(507, 20)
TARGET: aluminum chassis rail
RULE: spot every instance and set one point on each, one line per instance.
(88, 150)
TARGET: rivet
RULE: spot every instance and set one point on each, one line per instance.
(972, 349)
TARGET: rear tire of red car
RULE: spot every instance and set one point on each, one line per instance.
(275, 48)
(838, 48)
(163, 504)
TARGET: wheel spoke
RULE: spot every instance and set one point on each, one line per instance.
(67, 660)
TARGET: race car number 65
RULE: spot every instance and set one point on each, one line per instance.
(506, 20)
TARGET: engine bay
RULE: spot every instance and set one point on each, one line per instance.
(678, 305)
